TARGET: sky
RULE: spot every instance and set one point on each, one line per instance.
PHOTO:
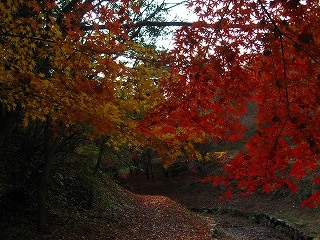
(180, 12)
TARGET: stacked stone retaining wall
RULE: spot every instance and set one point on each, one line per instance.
(262, 218)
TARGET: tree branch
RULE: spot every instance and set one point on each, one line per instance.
(142, 24)
(136, 31)
(70, 7)
(281, 33)
(66, 9)
(28, 37)
(161, 24)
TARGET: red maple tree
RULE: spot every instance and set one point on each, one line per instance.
(265, 52)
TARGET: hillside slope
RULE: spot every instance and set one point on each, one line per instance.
(121, 215)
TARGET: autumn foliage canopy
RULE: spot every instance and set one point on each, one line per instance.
(78, 62)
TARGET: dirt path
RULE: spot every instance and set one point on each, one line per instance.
(252, 233)
(242, 228)
(230, 227)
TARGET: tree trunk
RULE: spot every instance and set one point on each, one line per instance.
(7, 121)
(152, 174)
(42, 185)
(202, 170)
(169, 172)
(147, 171)
(136, 163)
(151, 170)
(95, 171)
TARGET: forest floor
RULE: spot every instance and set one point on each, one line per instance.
(186, 190)
(155, 211)
(123, 216)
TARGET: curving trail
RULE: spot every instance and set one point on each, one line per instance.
(252, 233)
(229, 226)
(242, 228)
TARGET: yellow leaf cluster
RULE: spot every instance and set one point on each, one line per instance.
(78, 77)
(74, 79)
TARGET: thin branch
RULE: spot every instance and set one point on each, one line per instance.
(285, 73)
(175, 4)
(305, 51)
(68, 8)
(218, 26)
(161, 24)
(273, 148)
(285, 35)
(28, 37)
(7, 32)
(148, 18)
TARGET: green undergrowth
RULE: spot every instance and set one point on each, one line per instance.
(73, 180)
(111, 195)
(68, 205)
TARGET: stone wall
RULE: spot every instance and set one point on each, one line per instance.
(264, 219)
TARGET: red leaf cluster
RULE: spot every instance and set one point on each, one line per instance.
(251, 51)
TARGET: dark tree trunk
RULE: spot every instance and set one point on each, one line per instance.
(147, 171)
(7, 121)
(149, 166)
(95, 171)
(169, 172)
(202, 170)
(136, 163)
(42, 185)
(42, 210)
(152, 174)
